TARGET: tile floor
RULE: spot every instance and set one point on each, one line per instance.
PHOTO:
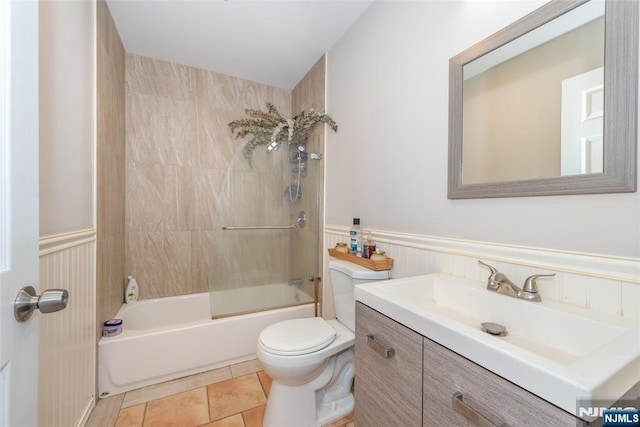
(233, 396)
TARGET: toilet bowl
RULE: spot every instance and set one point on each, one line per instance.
(310, 360)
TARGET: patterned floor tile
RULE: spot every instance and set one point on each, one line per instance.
(232, 421)
(234, 396)
(131, 417)
(187, 409)
(253, 417)
(265, 380)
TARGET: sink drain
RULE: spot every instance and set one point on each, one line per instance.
(494, 329)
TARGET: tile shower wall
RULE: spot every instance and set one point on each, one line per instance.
(179, 153)
(110, 165)
(310, 93)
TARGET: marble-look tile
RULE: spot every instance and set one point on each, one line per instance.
(212, 189)
(179, 150)
(280, 98)
(131, 417)
(145, 197)
(199, 274)
(309, 92)
(221, 90)
(234, 93)
(216, 144)
(185, 409)
(168, 388)
(247, 196)
(160, 78)
(145, 261)
(233, 396)
(108, 37)
(161, 130)
(110, 190)
(218, 257)
(181, 199)
(176, 257)
(109, 278)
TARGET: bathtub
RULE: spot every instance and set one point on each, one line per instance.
(169, 338)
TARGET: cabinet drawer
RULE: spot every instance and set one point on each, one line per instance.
(388, 390)
(496, 399)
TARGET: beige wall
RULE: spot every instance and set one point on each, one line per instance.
(67, 106)
(110, 166)
(179, 153)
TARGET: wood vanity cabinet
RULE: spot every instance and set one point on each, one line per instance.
(388, 390)
(482, 394)
(416, 386)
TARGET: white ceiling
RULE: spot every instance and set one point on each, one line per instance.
(272, 42)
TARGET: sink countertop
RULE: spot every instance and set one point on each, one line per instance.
(558, 352)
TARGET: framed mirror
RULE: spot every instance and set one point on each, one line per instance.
(548, 105)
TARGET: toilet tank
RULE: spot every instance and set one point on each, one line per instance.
(345, 276)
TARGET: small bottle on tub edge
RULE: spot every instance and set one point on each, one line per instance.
(132, 292)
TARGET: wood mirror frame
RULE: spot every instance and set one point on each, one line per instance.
(620, 105)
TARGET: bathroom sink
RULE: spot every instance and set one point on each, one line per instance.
(558, 352)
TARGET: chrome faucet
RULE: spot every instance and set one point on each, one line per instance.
(498, 282)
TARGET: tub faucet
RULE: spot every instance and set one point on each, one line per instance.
(498, 282)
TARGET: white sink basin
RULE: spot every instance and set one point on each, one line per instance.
(558, 352)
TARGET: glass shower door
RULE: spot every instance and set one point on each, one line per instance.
(265, 241)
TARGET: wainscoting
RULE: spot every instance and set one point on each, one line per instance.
(610, 285)
(67, 342)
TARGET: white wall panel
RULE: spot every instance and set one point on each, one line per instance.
(67, 357)
(605, 284)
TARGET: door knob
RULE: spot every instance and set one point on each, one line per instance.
(27, 301)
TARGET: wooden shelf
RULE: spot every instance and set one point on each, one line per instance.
(383, 264)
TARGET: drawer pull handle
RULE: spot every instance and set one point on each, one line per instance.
(386, 352)
(469, 413)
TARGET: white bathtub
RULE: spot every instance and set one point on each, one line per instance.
(168, 338)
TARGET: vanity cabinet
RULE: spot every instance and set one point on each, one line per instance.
(426, 384)
(388, 388)
(453, 385)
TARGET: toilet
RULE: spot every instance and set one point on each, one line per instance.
(311, 360)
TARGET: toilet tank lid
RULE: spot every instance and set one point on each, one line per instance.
(356, 271)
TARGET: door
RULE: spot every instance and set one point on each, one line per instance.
(18, 208)
(582, 123)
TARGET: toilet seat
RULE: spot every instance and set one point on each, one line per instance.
(297, 336)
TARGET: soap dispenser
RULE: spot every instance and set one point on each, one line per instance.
(132, 292)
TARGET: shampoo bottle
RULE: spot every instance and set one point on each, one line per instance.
(132, 292)
(356, 236)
